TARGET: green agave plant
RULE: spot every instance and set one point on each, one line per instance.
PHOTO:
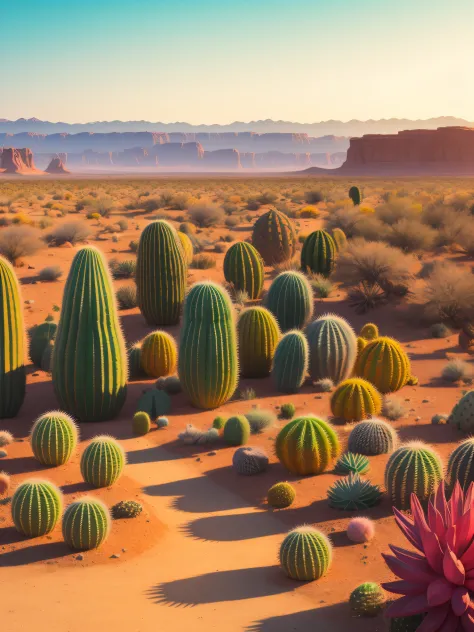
(350, 462)
(353, 494)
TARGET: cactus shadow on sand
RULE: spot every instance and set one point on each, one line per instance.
(34, 553)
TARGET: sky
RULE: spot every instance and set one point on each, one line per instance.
(218, 61)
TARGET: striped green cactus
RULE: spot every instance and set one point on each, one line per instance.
(274, 237)
(384, 363)
(415, 468)
(462, 415)
(53, 438)
(355, 399)
(89, 363)
(332, 348)
(243, 267)
(208, 362)
(340, 239)
(36, 507)
(161, 274)
(86, 524)
(355, 195)
(102, 462)
(40, 337)
(461, 465)
(12, 335)
(236, 430)
(305, 554)
(368, 599)
(159, 354)
(372, 437)
(135, 370)
(258, 336)
(319, 253)
(290, 362)
(290, 299)
(187, 245)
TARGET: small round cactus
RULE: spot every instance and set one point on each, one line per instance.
(249, 461)
(462, 415)
(281, 495)
(237, 430)
(355, 399)
(219, 423)
(36, 507)
(369, 332)
(141, 423)
(126, 509)
(41, 336)
(350, 462)
(461, 465)
(135, 370)
(305, 554)
(6, 438)
(159, 354)
(372, 437)
(367, 600)
(102, 461)
(53, 438)
(287, 411)
(360, 530)
(86, 524)
(162, 422)
(5, 483)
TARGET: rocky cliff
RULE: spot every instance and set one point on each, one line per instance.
(56, 166)
(17, 161)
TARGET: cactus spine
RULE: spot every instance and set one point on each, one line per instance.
(368, 599)
(208, 365)
(461, 465)
(290, 299)
(290, 362)
(135, 370)
(159, 354)
(161, 274)
(86, 524)
(102, 461)
(141, 423)
(89, 362)
(332, 348)
(243, 267)
(274, 237)
(319, 253)
(258, 335)
(187, 245)
(305, 554)
(12, 366)
(40, 337)
(281, 495)
(369, 332)
(36, 507)
(372, 437)
(355, 196)
(462, 415)
(355, 399)
(384, 363)
(53, 438)
(236, 430)
(340, 239)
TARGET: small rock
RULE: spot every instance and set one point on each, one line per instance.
(115, 556)
(425, 401)
(31, 267)
(66, 244)
(318, 397)
(124, 550)
(213, 453)
(3, 454)
(417, 418)
(30, 301)
(35, 374)
(79, 557)
(198, 459)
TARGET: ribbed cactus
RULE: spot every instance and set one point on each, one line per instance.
(249, 461)
(47, 357)
(319, 253)
(368, 599)
(355, 196)
(332, 348)
(290, 362)
(372, 437)
(340, 239)
(384, 363)
(12, 360)
(355, 399)
(353, 493)
(281, 495)
(53, 438)
(305, 554)
(258, 336)
(243, 267)
(307, 445)
(159, 354)
(290, 299)
(102, 462)
(86, 524)
(135, 369)
(208, 364)
(161, 274)
(461, 465)
(141, 423)
(369, 332)
(352, 462)
(36, 507)
(187, 245)
(155, 403)
(361, 344)
(414, 468)
(89, 358)
(462, 415)
(40, 337)
(274, 237)
(236, 430)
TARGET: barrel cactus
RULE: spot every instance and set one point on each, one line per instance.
(340, 239)
(332, 348)
(258, 336)
(461, 465)
(86, 524)
(159, 354)
(249, 461)
(274, 237)
(36, 507)
(355, 399)
(384, 363)
(135, 370)
(53, 438)
(89, 358)
(187, 245)
(305, 554)
(415, 468)
(319, 253)
(154, 403)
(307, 445)
(208, 364)
(47, 357)
(102, 462)
(40, 337)
(355, 195)
(290, 362)
(368, 600)
(141, 423)
(353, 493)
(361, 344)
(12, 360)
(236, 430)
(290, 299)
(352, 462)
(243, 267)
(369, 332)
(161, 274)
(373, 437)
(462, 415)
(281, 495)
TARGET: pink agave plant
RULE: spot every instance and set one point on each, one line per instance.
(439, 580)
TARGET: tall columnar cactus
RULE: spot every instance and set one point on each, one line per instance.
(384, 363)
(208, 364)
(372, 437)
(340, 239)
(290, 362)
(355, 399)
(36, 507)
(332, 348)
(243, 267)
(159, 354)
(354, 194)
(12, 361)
(187, 245)
(102, 462)
(307, 445)
(369, 332)
(161, 274)
(305, 554)
(413, 468)
(53, 438)
(86, 524)
(290, 299)
(319, 253)
(461, 465)
(274, 237)
(462, 415)
(40, 337)
(258, 336)
(89, 363)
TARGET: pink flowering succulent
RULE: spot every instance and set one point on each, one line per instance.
(439, 580)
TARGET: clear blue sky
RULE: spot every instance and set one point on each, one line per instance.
(216, 61)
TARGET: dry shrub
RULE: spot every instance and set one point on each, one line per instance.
(313, 197)
(410, 235)
(203, 262)
(206, 215)
(19, 241)
(50, 273)
(394, 211)
(347, 219)
(73, 232)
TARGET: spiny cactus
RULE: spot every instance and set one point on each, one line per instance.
(46, 358)
(355, 399)
(461, 465)
(249, 461)
(361, 344)
(305, 554)
(369, 332)
(332, 348)
(373, 437)
(462, 415)
(274, 237)
(141, 423)
(162, 422)
(161, 274)
(307, 445)
(414, 468)
(102, 462)
(340, 239)
(89, 358)
(12, 360)
(352, 462)
(53, 438)
(281, 495)
(355, 196)
(243, 267)
(290, 362)
(154, 403)
(236, 430)
(159, 354)
(36, 507)
(258, 335)
(86, 524)
(40, 337)
(287, 411)
(353, 494)
(319, 253)
(290, 299)
(384, 363)
(187, 245)
(208, 364)
(135, 370)
(219, 422)
(368, 599)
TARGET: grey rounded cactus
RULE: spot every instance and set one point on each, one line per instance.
(462, 415)
(249, 461)
(372, 437)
